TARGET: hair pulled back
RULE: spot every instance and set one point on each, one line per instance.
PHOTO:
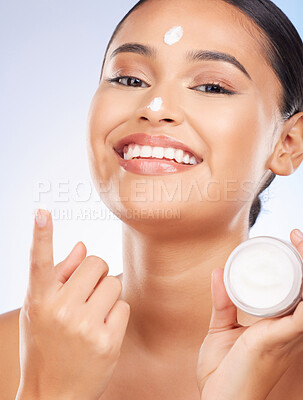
(284, 49)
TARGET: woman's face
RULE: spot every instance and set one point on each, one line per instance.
(233, 134)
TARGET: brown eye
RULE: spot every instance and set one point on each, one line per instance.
(129, 81)
(215, 88)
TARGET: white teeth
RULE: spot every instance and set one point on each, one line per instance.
(169, 153)
(146, 151)
(134, 150)
(186, 158)
(192, 160)
(158, 152)
(179, 155)
(129, 153)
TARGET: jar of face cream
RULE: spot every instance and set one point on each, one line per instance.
(263, 276)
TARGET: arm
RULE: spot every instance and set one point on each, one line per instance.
(9, 350)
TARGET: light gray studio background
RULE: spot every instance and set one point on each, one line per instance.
(51, 54)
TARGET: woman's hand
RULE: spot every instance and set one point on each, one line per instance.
(71, 324)
(245, 363)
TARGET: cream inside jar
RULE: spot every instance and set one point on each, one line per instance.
(263, 276)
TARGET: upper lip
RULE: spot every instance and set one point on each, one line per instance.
(144, 139)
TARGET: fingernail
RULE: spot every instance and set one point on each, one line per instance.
(41, 217)
(298, 233)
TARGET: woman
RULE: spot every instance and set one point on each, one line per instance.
(222, 81)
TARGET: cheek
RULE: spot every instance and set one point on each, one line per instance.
(107, 111)
(105, 114)
(233, 130)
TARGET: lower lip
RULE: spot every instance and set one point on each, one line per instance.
(152, 166)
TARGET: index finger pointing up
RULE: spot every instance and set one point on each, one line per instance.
(41, 252)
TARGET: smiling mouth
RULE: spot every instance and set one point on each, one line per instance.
(135, 151)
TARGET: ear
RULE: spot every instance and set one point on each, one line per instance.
(288, 152)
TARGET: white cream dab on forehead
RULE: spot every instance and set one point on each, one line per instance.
(156, 104)
(173, 35)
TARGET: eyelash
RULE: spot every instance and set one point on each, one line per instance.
(217, 85)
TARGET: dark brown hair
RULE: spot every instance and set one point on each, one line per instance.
(284, 49)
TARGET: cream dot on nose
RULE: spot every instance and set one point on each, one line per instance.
(155, 104)
(173, 35)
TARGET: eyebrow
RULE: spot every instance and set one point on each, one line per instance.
(191, 56)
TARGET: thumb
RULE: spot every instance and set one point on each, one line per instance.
(65, 268)
(224, 312)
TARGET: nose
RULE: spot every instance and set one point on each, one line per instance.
(161, 108)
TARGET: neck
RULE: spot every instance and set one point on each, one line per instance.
(167, 284)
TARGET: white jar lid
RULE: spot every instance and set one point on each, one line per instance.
(263, 275)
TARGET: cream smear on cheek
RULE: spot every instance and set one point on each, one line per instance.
(156, 104)
(173, 35)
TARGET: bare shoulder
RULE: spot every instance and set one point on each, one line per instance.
(9, 350)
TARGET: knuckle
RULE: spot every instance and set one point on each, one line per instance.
(252, 346)
(42, 237)
(33, 260)
(32, 308)
(85, 327)
(114, 282)
(99, 340)
(97, 262)
(93, 258)
(61, 314)
(106, 345)
(36, 309)
(125, 307)
(37, 263)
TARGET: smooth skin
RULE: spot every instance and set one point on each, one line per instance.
(72, 325)
(264, 351)
(71, 330)
(167, 263)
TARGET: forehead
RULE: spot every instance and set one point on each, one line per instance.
(209, 24)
